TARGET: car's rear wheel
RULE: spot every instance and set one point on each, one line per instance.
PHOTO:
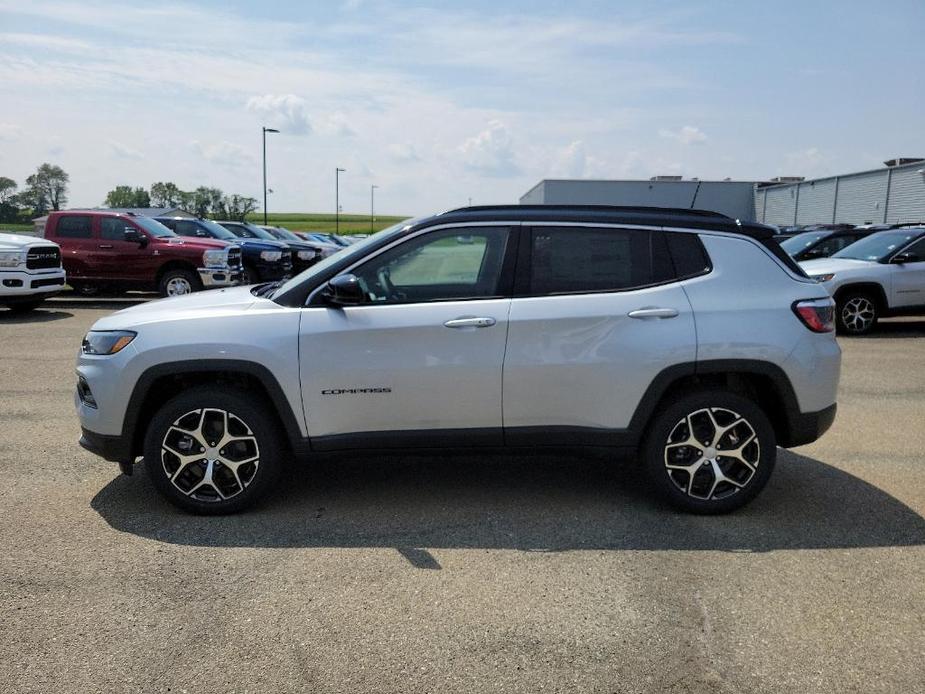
(179, 282)
(710, 452)
(857, 313)
(213, 451)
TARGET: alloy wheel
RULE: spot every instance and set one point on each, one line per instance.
(712, 453)
(210, 454)
(178, 286)
(858, 314)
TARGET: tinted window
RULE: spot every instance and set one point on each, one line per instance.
(918, 248)
(74, 227)
(578, 259)
(877, 246)
(442, 265)
(689, 256)
(113, 228)
(189, 229)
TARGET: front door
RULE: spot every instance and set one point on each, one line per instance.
(121, 260)
(419, 361)
(909, 278)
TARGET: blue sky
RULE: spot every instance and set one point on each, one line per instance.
(439, 103)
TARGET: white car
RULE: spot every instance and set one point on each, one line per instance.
(30, 271)
(881, 275)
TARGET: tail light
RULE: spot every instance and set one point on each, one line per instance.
(816, 314)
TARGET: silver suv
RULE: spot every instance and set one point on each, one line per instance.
(686, 336)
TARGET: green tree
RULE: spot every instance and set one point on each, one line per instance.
(239, 206)
(166, 195)
(9, 207)
(126, 196)
(47, 189)
(201, 201)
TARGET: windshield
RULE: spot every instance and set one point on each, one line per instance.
(356, 250)
(284, 234)
(249, 231)
(155, 229)
(217, 230)
(877, 246)
(797, 243)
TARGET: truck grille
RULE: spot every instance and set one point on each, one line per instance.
(234, 257)
(43, 257)
(287, 260)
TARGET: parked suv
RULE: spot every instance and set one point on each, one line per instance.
(30, 271)
(683, 335)
(880, 275)
(113, 250)
(263, 260)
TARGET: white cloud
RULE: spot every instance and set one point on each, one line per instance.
(286, 112)
(574, 161)
(224, 153)
(490, 152)
(9, 132)
(403, 152)
(121, 151)
(334, 124)
(687, 135)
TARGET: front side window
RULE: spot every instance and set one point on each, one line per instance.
(581, 259)
(451, 264)
(74, 227)
(113, 228)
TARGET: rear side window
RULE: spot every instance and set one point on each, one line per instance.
(188, 229)
(689, 256)
(73, 227)
(584, 259)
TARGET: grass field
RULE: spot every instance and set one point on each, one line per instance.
(294, 221)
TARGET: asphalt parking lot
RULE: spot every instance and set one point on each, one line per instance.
(463, 573)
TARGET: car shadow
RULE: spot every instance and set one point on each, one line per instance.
(542, 502)
(899, 327)
(39, 315)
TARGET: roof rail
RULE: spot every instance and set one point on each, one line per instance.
(641, 209)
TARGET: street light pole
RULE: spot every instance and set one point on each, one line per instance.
(372, 206)
(337, 173)
(265, 131)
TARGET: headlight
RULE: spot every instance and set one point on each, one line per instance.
(823, 278)
(214, 258)
(106, 341)
(271, 256)
(306, 255)
(12, 258)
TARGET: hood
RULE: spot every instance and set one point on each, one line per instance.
(16, 242)
(190, 306)
(191, 242)
(824, 266)
(261, 244)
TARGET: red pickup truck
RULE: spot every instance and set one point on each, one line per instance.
(111, 250)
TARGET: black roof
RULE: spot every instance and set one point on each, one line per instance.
(602, 214)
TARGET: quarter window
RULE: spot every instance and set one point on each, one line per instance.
(581, 259)
(439, 266)
(74, 227)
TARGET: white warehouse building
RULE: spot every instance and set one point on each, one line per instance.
(893, 194)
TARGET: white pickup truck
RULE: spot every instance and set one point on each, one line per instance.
(881, 275)
(30, 271)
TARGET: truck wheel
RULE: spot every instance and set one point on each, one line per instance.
(179, 282)
(86, 289)
(857, 313)
(710, 452)
(213, 450)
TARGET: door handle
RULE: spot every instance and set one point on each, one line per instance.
(653, 313)
(486, 322)
(105, 245)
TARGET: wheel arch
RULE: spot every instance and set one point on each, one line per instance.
(163, 381)
(174, 265)
(874, 288)
(763, 382)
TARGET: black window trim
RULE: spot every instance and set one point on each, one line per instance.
(525, 259)
(507, 274)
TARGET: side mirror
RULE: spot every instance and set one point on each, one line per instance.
(907, 257)
(132, 235)
(344, 290)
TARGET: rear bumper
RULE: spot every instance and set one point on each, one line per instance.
(806, 427)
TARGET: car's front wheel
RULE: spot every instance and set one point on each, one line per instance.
(213, 450)
(857, 313)
(710, 452)
(179, 282)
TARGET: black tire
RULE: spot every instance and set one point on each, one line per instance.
(86, 289)
(857, 312)
(257, 434)
(25, 306)
(705, 493)
(251, 276)
(172, 279)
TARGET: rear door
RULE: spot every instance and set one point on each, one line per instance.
(420, 361)
(74, 233)
(594, 318)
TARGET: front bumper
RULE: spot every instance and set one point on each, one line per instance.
(25, 286)
(272, 271)
(220, 277)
